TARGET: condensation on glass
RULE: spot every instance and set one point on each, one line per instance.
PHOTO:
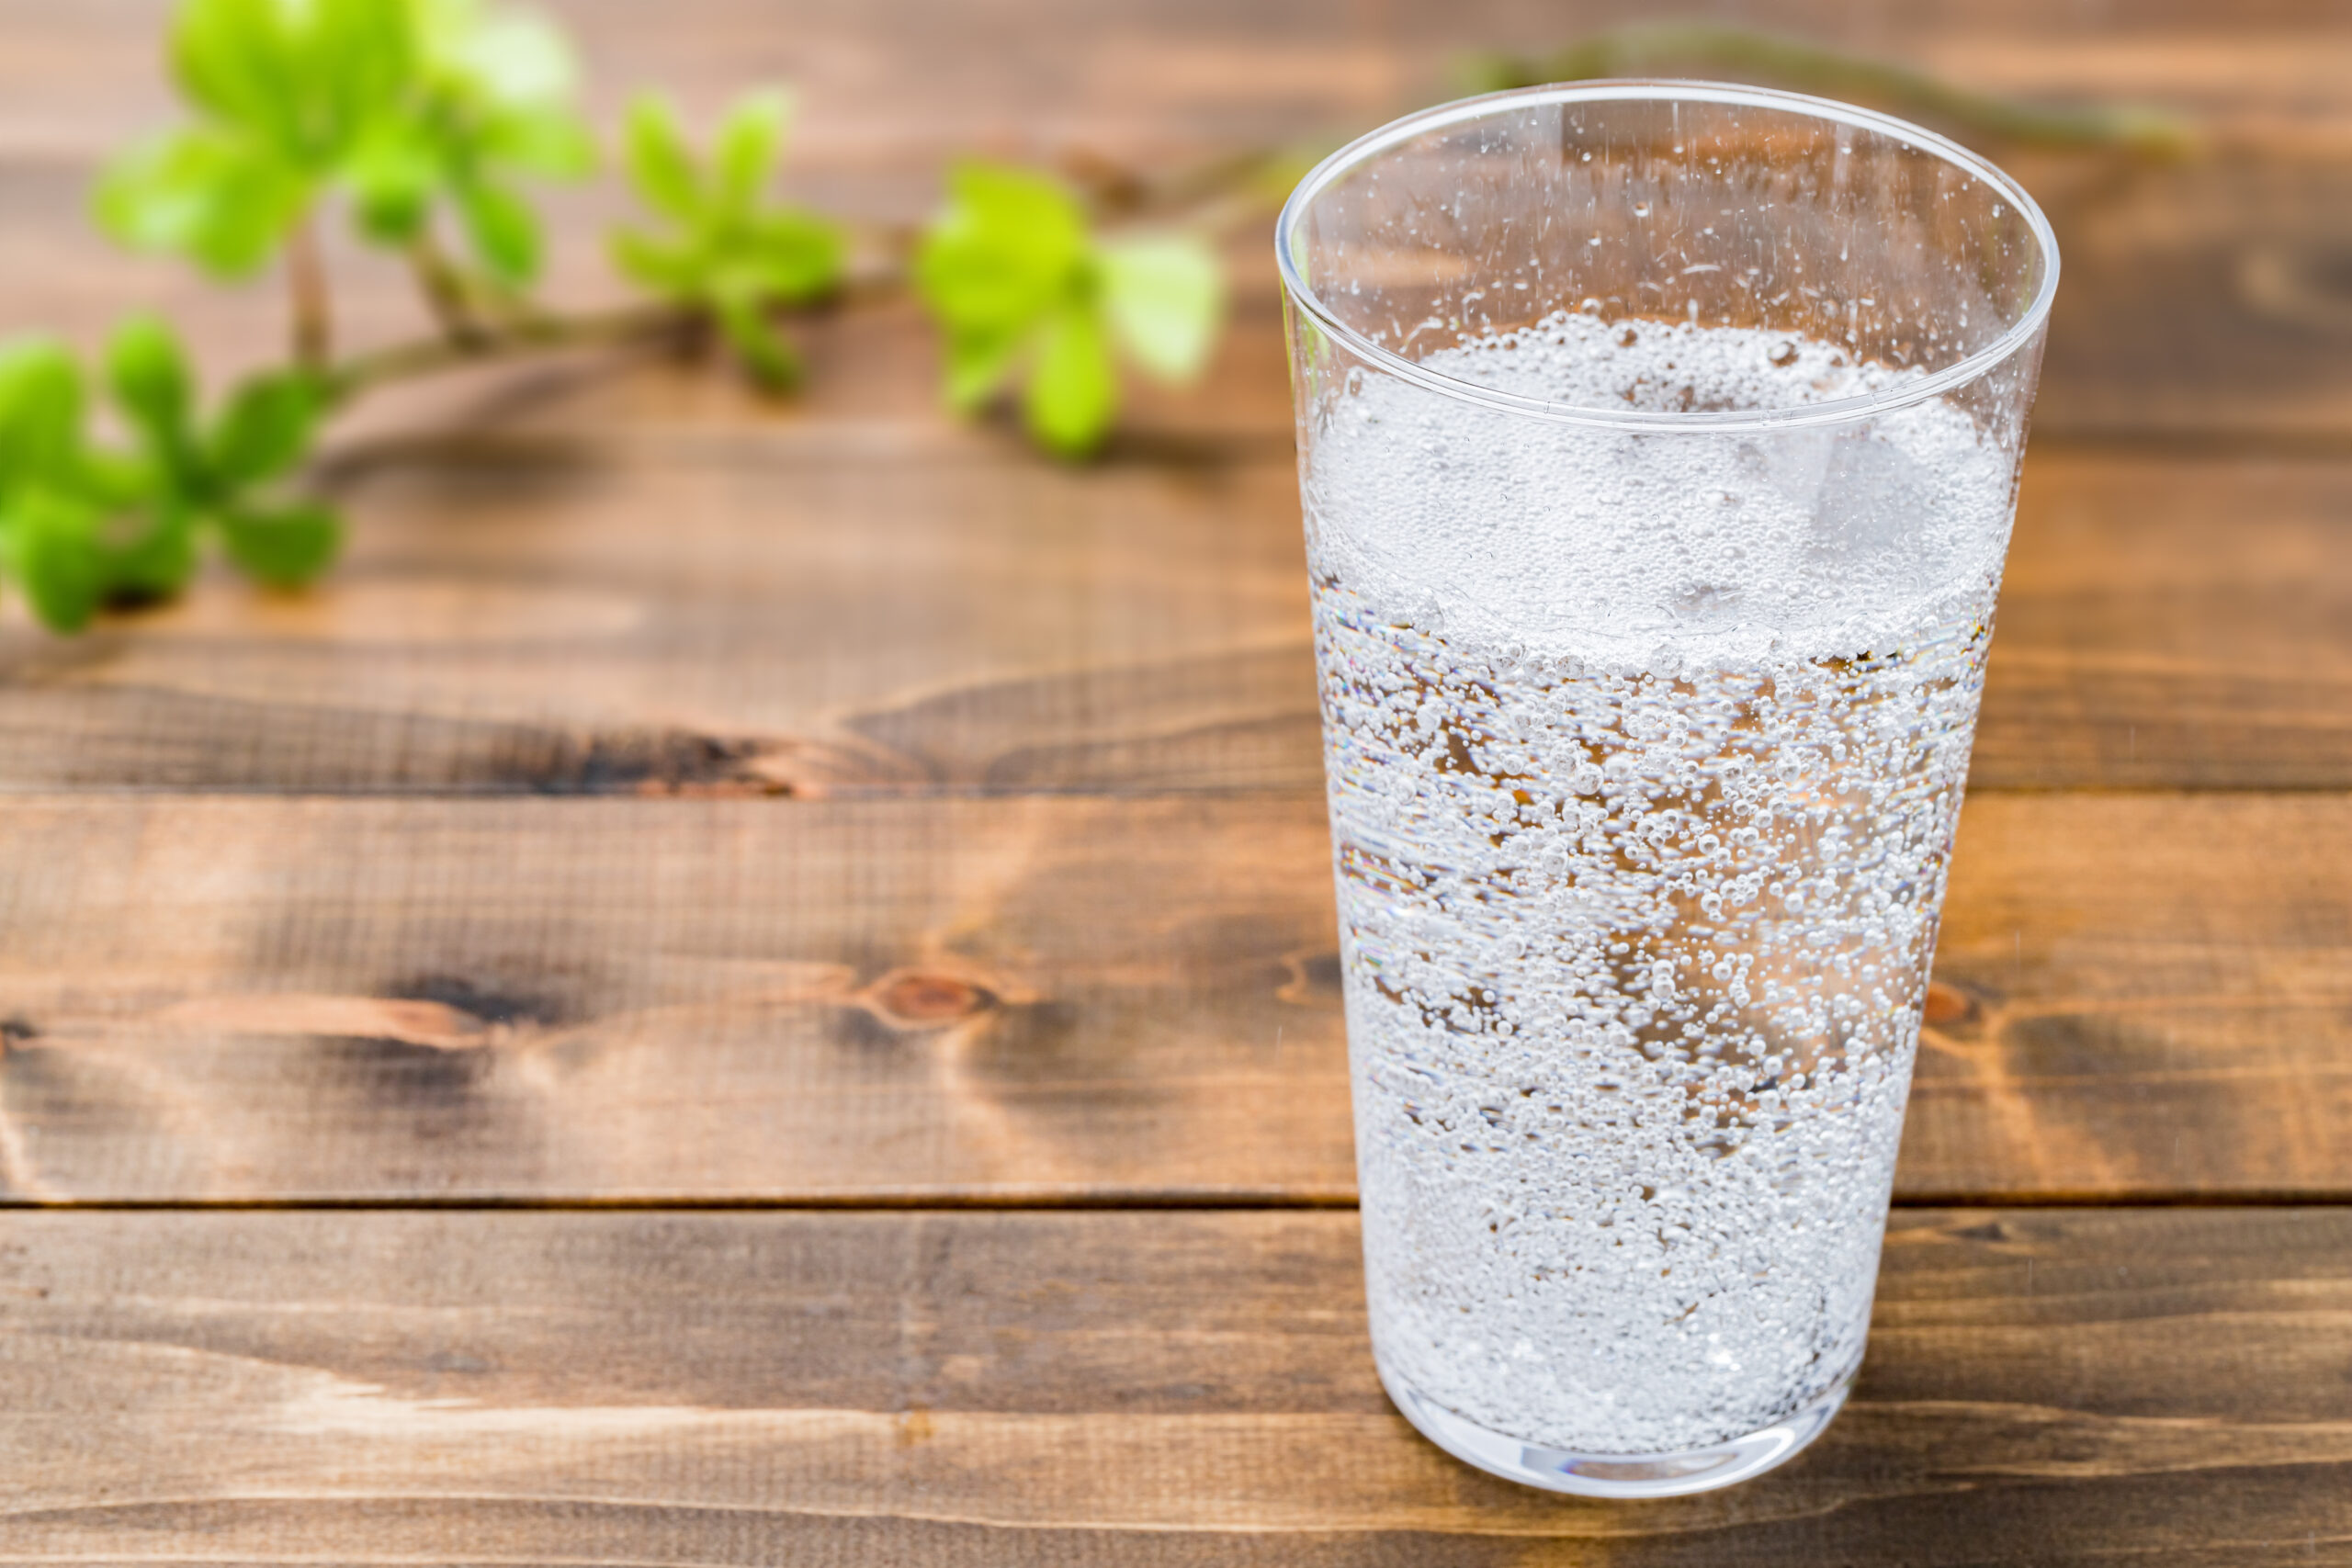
(1659, 449)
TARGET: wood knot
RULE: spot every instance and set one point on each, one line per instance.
(923, 1001)
(1947, 1004)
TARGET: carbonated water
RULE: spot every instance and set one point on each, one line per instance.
(1639, 863)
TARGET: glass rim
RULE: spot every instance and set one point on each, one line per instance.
(1838, 411)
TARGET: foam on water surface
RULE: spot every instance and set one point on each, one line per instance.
(1645, 753)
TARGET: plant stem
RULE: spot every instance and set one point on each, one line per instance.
(306, 282)
(1121, 194)
(526, 329)
(445, 293)
(1215, 194)
(1638, 50)
(1210, 196)
(545, 333)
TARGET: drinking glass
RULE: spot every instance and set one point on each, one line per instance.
(1658, 444)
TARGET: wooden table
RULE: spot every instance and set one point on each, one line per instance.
(755, 985)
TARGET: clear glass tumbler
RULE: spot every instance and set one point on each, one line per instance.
(1659, 443)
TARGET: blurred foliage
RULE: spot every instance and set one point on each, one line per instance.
(429, 126)
(89, 525)
(1748, 55)
(728, 252)
(1024, 292)
(404, 109)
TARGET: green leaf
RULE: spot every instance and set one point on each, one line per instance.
(501, 82)
(119, 482)
(267, 429)
(747, 149)
(1009, 246)
(1010, 271)
(1072, 395)
(54, 540)
(673, 271)
(42, 409)
(791, 256)
(1165, 297)
(547, 142)
(307, 80)
(360, 61)
(764, 355)
(660, 165)
(148, 372)
(504, 229)
(284, 548)
(510, 58)
(392, 178)
(238, 61)
(481, 100)
(1033, 209)
(153, 563)
(979, 363)
(730, 254)
(225, 203)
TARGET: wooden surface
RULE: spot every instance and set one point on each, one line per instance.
(1025, 997)
(515, 622)
(1171, 1388)
(817, 830)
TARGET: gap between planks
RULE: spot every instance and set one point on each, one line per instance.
(1078, 1203)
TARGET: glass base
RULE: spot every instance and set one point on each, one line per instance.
(1616, 1475)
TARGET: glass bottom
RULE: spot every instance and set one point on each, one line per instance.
(1616, 1475)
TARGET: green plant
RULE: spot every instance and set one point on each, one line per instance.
(87, 524)
(403, 109)
(57, 498)
(1025, 292)
(427, 125)
(729, 252)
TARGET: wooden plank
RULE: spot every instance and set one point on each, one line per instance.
(687, 999)
(2054, 1387)
(770, 615)
(2137, 974)
(875, 619)
(2170, 622)
(884, 77)
(1041, 998)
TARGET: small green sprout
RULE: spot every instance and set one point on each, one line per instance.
(84, 525)
(1026, 293)
(403, 107)
(725, 247)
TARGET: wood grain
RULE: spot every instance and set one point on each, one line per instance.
(779, 616)
(774, 615)
(2044, 1387)
(675, 998)
(2171, 623)
(1038, 998)
(970, 851)
(895, 75)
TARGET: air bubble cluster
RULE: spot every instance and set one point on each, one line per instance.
(1644, 752)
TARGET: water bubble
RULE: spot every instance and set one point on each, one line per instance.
(1638, 821)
